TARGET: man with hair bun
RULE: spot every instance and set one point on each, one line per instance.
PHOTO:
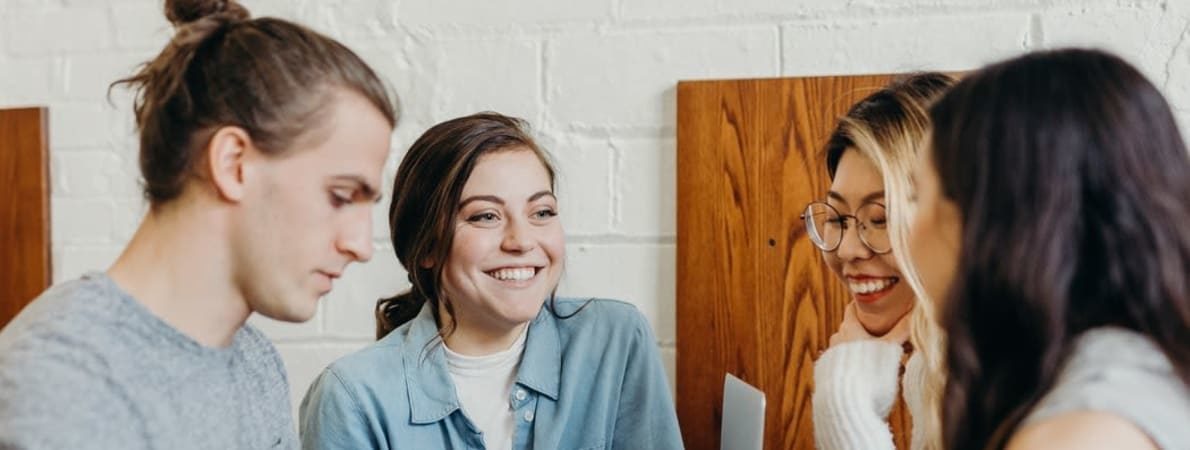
(261, 149)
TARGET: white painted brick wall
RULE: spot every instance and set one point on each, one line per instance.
(596, 78)
(140, 26)
(39, 30)
(27, 80)
(450, 78)
(456, 14)
(645, 180)
(640, 69)
(87, 76)
(82, 221)
(584, 172)
(901, 44)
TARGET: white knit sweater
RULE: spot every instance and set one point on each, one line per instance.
(855, 386)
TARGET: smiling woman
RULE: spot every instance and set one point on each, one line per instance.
(507, 252)
(480, 353)
(860, 228)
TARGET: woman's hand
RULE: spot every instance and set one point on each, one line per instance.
(852, 330)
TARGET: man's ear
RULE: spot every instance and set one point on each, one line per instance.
(226, 152)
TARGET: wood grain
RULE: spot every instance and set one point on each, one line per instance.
(25, 268)
(753, 295)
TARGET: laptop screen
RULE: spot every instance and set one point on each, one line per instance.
(743, 416)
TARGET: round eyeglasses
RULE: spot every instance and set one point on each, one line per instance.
(826, 226)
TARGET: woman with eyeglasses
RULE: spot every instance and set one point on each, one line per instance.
(860, 228)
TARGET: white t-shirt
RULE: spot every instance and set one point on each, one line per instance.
(484, 386)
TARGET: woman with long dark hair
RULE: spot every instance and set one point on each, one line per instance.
(1052, 227)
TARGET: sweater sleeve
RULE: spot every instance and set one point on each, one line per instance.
(855, 385)
(912, 386)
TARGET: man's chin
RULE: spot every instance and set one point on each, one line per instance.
(290, 314)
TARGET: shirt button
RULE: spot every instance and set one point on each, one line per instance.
(520, 394)
(528, 416)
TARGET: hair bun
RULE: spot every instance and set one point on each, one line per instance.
(182, 12)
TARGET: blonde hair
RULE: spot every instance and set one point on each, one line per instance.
(890, 127)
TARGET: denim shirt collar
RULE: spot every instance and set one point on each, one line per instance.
(432, 395)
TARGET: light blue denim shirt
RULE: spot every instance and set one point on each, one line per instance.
(591, 381)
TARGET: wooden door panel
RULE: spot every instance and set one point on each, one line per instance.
(24, 208)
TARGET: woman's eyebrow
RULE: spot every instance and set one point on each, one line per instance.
(485, 198)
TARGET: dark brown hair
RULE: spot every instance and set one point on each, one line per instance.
(271, 77)
(425, 202)
(1071, 180)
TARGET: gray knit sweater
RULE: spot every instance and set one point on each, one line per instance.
(1121, 372)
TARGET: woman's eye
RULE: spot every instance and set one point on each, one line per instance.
(483, 217)
(545, 214)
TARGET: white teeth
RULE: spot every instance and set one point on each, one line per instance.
(870, 286)
(519, 274)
